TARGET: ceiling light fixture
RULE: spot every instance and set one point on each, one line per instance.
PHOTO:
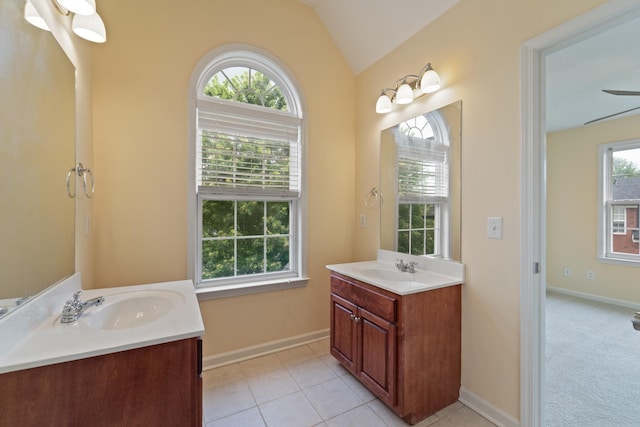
(408, 89)
(86, 22)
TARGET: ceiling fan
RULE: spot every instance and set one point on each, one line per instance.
(617, 92)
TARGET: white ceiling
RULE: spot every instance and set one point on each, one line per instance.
(366, 30)
(577, 74)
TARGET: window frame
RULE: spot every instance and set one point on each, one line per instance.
(605, 235)
(255, 58)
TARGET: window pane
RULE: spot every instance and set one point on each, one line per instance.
(217, 218)
(403, 216)
(430, 242)
(403, 242)
(417, 216)
(430, 216)
(278, 218)
(278, 254)
(417, 242)
(217, 258)
(250, 256)
(250, 218)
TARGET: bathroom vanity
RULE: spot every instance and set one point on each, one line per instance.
(135, 359)
(399, 333)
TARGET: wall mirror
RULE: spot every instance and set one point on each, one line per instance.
(420, 184)
(37, 148)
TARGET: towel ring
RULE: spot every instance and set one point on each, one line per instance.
(81, 171)
(373, 199)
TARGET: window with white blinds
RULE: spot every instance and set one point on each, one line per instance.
(247, 154)
(423, 170)
(247, 177)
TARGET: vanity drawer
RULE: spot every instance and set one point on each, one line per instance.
(381, 305)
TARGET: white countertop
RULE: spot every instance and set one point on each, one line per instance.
(49, 341)
(430, 273)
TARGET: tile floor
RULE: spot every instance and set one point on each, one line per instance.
(304, 386)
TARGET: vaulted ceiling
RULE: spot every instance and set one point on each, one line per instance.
(367, 30)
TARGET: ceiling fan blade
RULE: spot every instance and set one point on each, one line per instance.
(622, 92)
(612, 115)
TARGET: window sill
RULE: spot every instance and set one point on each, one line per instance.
(620, 261)
(225, 291)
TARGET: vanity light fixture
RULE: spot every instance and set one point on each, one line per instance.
(86, 22)
(409, 88)
(33, 17)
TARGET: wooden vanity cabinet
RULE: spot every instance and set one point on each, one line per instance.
(158, 385)
(404, 348)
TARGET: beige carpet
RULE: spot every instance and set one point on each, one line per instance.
(592, 364)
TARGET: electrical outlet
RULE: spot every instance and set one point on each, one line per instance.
(591, 275)
(567, 272)
(363, 221)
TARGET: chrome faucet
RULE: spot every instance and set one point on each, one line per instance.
(74, 308)
(409, 267)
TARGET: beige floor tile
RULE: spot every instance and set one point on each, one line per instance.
(335, 366)
(227, 399)
(296, 355)
(387, 415)
(271, 385)
(463, 417)
(293, 410)
(311, 372)
(223, 375)
(356, 386)
(320, 347)
(248, 418)
(357, 417)
(332, 398)
(260, 365)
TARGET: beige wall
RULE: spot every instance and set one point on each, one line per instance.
(572, 201)
(475, 48)
(140, 84)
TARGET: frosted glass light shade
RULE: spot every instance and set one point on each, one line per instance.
(430, 81)
(405, 94)
(79, 7)
(383, 105)
(90, 28)
(33, 17)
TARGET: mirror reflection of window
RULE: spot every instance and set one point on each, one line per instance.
(422, 166)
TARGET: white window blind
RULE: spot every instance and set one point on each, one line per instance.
(423, 171)
(249, 154)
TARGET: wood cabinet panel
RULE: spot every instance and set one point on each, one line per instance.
(408, 346)
(154, 385)
(343, 338)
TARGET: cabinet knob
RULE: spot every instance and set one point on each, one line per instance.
(352, 317)
(357, 319)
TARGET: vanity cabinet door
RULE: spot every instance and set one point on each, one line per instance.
(376, 365)
(343, 332)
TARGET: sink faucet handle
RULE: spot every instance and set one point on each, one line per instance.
(76, 296)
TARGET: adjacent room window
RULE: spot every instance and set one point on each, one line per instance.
(619, 201)
(248, 175)
(423, 188)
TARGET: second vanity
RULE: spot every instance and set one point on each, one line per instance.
(399, 333)
(133, 360)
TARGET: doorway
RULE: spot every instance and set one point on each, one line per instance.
(533, 207)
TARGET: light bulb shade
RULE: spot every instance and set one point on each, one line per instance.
(430, 81)
(79, 7)
(33, 17)
(404, 94)
(383, 105)
(90, 28)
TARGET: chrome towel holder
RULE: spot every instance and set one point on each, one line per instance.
(81, 171)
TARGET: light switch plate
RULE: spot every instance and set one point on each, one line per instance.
(494, 227)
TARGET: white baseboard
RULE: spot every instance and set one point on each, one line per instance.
(487, 410)
(592, 297)
(246, 353)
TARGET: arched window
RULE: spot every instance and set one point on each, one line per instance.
(422, 166)
(247, 174)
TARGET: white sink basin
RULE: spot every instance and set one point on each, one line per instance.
(131, 309)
